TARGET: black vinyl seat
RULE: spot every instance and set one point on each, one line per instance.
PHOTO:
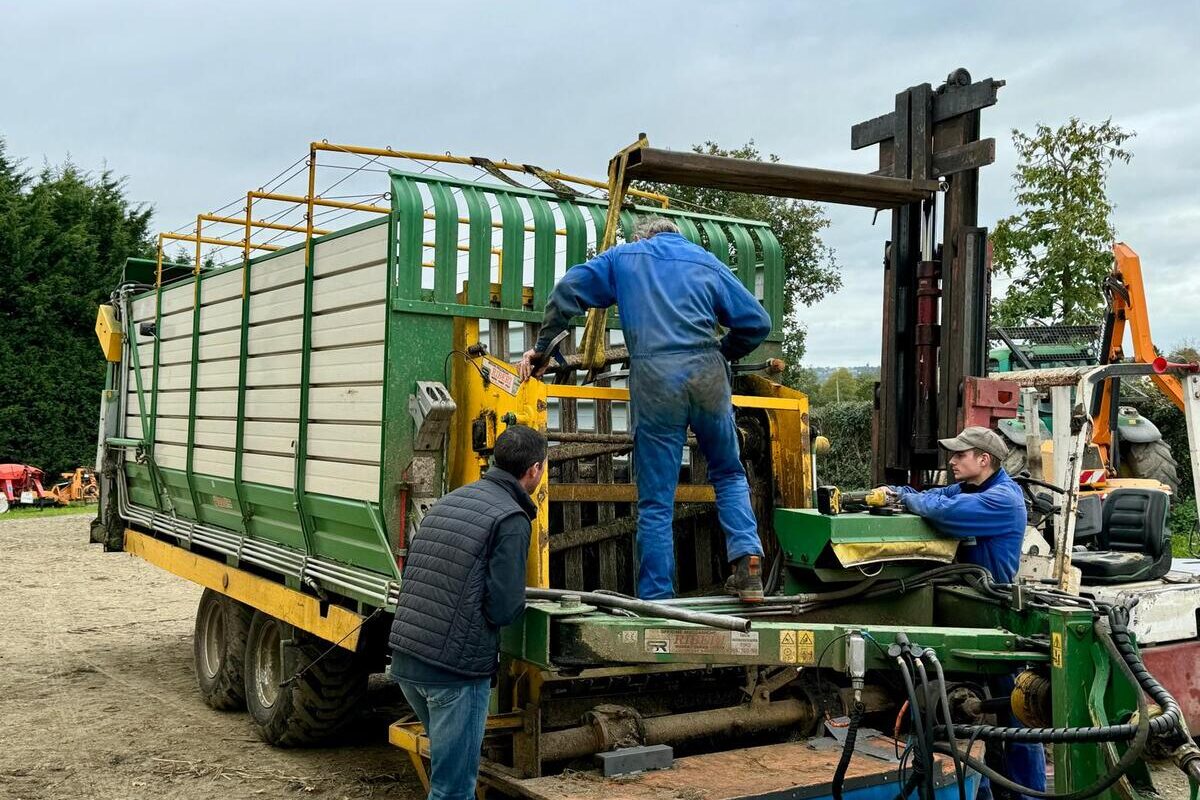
(1134, 543)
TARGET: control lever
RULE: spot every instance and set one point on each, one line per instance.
(551, 352)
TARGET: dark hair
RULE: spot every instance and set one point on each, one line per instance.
(518, 449)
(993, 462)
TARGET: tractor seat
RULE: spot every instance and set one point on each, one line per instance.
(1134, 541)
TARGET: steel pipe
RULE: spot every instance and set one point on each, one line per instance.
(589, 739)
(643, 607)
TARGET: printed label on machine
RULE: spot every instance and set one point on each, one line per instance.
(503, 379)
(797, 647)
(702, 642)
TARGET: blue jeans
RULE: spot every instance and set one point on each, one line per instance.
(454, 716)
(668, 393)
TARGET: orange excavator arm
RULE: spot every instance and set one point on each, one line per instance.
(1127, 307)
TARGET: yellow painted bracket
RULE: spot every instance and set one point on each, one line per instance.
(336, 624)
(108, 331)
(411, 738)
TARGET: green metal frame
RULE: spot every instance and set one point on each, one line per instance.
(418, 333)
(191, 428)
(407, 203)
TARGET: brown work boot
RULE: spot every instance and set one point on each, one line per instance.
(746, 580)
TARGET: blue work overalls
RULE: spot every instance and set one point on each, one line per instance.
(671, 295)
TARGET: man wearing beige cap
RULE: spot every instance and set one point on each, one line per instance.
(984, 504)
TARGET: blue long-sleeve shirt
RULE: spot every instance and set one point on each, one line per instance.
(993, 513)
(671, 294)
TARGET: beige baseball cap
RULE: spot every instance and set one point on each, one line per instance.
(979, 438)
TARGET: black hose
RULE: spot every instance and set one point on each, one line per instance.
(1132, 754)
(959, 777)
(839, 775)
(1165, 724)
(920, 778)
(929, 714)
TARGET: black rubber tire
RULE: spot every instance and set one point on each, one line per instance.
(1152, 460)
(314, 707)
(219, 648)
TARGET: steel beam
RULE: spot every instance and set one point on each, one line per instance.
(779, 180)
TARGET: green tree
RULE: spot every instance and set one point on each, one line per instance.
(1057, 247)
(811, 270)
(841, 386)
(64, 238)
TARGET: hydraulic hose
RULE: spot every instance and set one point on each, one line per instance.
(1131, 756)
(921, 777)
(839, 775)
(959, 777)
(1164, 724)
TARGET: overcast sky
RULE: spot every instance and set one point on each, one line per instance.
(197, 102)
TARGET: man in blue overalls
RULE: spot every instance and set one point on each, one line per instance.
(671, 295)
(986, 506)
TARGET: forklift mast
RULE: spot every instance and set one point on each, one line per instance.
(935, 300)
(935, 307)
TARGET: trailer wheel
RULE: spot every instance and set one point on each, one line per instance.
(219, 646)
(296, 695)
(1151, 460)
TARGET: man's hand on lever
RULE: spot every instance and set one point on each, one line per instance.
(533, 364)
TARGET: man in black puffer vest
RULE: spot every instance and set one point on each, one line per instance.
(464, 579)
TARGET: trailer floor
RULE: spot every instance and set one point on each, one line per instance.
(98, 698)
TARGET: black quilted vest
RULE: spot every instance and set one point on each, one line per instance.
(439, 616)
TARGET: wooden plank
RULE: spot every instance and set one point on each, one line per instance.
(572, 515)
(961, 158)
(945, 106)
(779, 180)
(624, 493)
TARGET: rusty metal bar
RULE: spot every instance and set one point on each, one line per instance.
(447, 158)
(778, 180)
(624, 493)
(616, 528)
(674, 728)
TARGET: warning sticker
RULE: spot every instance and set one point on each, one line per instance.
(503, 379)
(699, 643)
(1056, 658)
(796, 647)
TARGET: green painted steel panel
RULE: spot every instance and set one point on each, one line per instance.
(406, 200)
(718, 244)
(191, 426)
(479, 259)
(576, 234)
(746, 262)
(773, 277)
(804, 533)
(512, 251)
(445, 243)
(544, 236)
(688, 229)
(601, 639)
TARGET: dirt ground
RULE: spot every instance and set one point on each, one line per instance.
(98, 698)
